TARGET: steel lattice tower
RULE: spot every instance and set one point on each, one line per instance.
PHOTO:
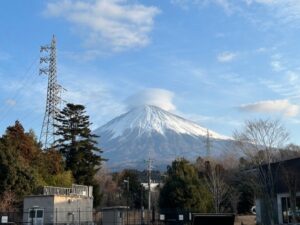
(208, 143)
(48, 67)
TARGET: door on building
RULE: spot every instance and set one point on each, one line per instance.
(36, 216)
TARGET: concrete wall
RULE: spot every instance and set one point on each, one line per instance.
(41, 202)
(258, 211)
(60, 209)
(73, 209)
(113, 217)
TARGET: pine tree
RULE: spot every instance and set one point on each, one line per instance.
(78, 146)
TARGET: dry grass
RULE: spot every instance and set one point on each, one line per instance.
(245, 220)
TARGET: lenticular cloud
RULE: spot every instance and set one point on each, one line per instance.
(157, 97)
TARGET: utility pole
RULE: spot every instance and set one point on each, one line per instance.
(149, 161)
(48, 67)
(127, 186)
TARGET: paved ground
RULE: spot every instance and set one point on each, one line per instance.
(246, 220)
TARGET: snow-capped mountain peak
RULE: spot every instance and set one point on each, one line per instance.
(149, 131)
(148, 119)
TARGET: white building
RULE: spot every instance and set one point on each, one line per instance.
(60, 205)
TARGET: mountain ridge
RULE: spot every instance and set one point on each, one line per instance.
(165, 121)
(149, 131)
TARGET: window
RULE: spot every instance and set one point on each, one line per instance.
(39, 214)
(287, 211)
(32, 213)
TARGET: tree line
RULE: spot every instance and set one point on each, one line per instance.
(216, 186)
(26, 167)
(206, 185)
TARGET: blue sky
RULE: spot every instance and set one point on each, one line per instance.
(217, 62)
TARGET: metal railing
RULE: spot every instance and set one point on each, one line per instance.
(78, 190)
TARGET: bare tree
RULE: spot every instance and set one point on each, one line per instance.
(234, 198)
(216, 185)
(109, 190)
(260, 141)
(261, 138)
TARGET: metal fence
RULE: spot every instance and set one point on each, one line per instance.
(102, 217)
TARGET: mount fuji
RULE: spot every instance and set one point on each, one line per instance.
(151, 132)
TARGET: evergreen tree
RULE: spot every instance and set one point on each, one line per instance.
(24, 167)
(137, 193)
(17, 152)
(183, 189)
(78, 146)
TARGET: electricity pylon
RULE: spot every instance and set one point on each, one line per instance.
(48, 67)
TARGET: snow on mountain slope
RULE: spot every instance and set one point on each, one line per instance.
(147, 119)
(146, 131)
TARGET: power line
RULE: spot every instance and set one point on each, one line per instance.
(24, 83)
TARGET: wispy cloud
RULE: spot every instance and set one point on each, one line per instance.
(29, 98)
(286, 10)
(226, 57)
(10, 102)
(225, 4)
(272, 106)
(287, 82)
(276, 65)
(116, 24)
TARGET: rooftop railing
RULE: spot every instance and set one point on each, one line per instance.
(78, 190)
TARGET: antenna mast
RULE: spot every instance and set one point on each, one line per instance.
(48, 67)
(208, 143)
(149, 161)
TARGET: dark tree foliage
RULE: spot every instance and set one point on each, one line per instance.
(78, 146)
(184, 190)
(17, 149)
(24, 167)
(137, 194)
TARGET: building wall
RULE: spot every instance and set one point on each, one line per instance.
(72, 209)
(261, 208)
(113, 217)
(42, 202)
(60, 209)
(258, 211)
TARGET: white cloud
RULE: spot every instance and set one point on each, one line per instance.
(153, 96)
(225, 4)
(273, 106)
(287, 84)
(276, 63)
(10, 102)
(292, 76)
(116, 24)
(276, 66)
(285, 10)
(226, 56)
